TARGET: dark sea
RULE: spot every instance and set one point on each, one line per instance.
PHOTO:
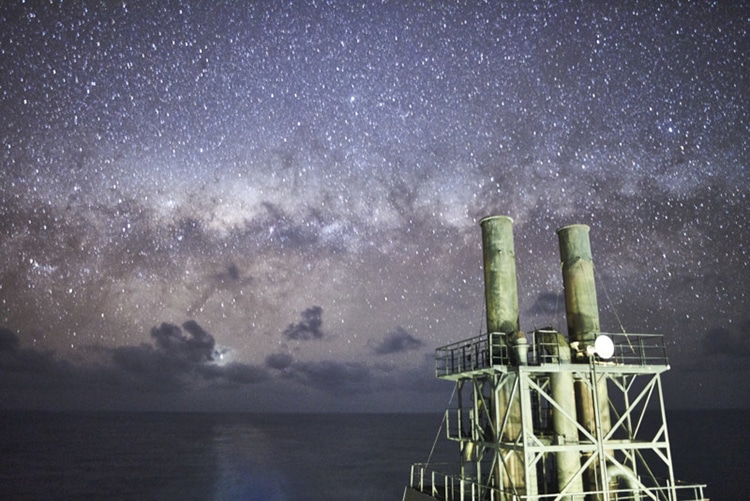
(275, 457)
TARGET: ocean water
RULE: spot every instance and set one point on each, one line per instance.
(276, 457)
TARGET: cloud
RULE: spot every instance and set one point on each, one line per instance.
(198, 347)
(734, 343)
(333, 376)
(397, 341)
(234, 373)
(233, 272)
(279, 361)
(177, 360)
(232, 277)
(309, 327)
(28, 368)
(144, 367)
(8, 340)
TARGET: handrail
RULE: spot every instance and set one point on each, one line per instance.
(488, 350)
(450, 487)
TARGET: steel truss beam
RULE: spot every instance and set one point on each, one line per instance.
(512, 445)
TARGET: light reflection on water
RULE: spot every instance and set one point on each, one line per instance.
(210, 456)
(218, 457)
(319, 457)
(247, 464)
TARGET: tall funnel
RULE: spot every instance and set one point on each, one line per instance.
(592, 404)
(500, 287)
(501, 296)
(578, 282)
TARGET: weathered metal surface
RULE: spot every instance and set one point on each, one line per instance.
(582, 312)
(533, 418)
(633, 353)
(581, 306)
(500, 286)
(564, 417)
(501, 296)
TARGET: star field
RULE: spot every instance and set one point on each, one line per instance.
(275, 206)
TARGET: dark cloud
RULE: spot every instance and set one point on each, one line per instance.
(179, 359)
(309, 327)
(198, 347)
(231, 278)
(333, 376)
(734, 343)
(233, 373)
(28, 368)
(397, 341)
(175, 362)
(279, 361)
(8, 340)
(233, 272)
(144, 367)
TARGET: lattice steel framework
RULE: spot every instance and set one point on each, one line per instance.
(503, 417)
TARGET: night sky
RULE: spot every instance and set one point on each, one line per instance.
(274, 206)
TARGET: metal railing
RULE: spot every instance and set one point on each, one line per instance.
(639, 349)
(471, 355)
(450, 487)
(488, 350)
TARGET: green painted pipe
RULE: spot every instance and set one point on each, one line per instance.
(500, 286)
(583, 326)
(501, 296)
(563, 421)
(578, 281)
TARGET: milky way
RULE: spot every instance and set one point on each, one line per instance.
(275, 206)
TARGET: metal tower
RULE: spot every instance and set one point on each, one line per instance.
(548, 417)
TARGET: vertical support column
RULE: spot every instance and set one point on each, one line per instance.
(564, 422)
(527, 431)
(582, 314)
(501, 296)
(668, 452)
